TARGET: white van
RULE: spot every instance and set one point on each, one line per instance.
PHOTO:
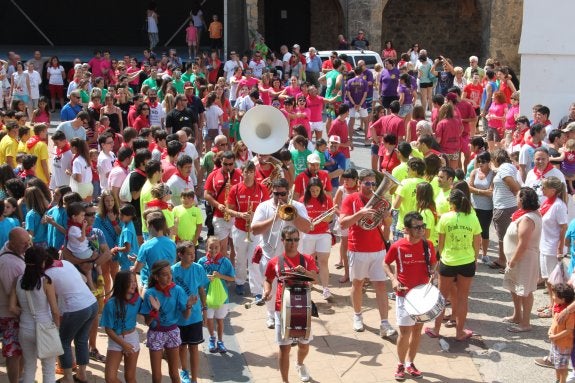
(369, 57)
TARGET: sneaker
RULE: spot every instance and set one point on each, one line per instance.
(358, 323)
(391, 296)
(386, 331)
(326, 293)
(400, 373)
(544, 362)
(270, 322)
(221, 348)
(212, 345)
(302, 371)
(239, 289)
(485, 259)
(571, 377)
(185, 376)
(413, 371)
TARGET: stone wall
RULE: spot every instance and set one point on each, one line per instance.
(504, 32)
(443, 27)
(326, 18)
(365, 15)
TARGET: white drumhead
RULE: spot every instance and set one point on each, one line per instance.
(421, 299)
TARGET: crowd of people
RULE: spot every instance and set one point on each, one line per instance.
(110, 219)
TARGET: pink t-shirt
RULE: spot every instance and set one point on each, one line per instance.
(292, 91)
(510, 117)
(466, 111)
(499, 111)
(302, 121)
(191, 33)
(449, 131)
(315, 105)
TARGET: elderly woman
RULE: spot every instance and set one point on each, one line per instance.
(543, 169)
(481, 188)
(521, 247)
(554, 217)
(505, 188)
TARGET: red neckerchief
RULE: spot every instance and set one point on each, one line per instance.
(547, 123)
(557, 308)
(257, 61)
(213, 260)
(540, 174)
(119, 164)
(134, 298)
(179, 174)
(57, 263)
(518, 214)
(158, 203)
(59, 151)
(125, 145)
(27, 173)
(529, 142)
(72, 223)
(141, 172)
(545, 206)
(165, 290)
(32, 141)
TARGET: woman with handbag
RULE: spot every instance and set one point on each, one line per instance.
(34, 299)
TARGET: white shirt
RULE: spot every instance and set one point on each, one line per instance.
(55, 75)
(177, 186)
(266, 210)
(532, 181)
(229, 68)
(72, 292)
(105, 165)
(555, 216)
(244, 103)
(59, 167)
(257, 68)
(157, 115)
(79, 166)
(35, 81)
(190, 150)
(212, 115)
(286, 57)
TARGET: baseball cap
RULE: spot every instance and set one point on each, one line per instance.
(335, 139)
(451, 96)
(296, 46)
(569, 128)
(313, 159)
(188, 85)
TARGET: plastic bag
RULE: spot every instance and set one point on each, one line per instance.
(217, 294)
(557, 276)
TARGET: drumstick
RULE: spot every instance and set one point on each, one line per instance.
(257, 302)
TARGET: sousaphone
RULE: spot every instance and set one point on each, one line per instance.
(264, 129)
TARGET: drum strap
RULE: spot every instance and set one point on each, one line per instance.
(427, 256)
(282, 264)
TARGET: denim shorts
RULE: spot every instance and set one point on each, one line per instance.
(405, 109)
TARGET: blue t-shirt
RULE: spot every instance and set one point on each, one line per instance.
(128, 235)
(34, 224)
(154, 250)
(54, 237)
(171, 307)
(339, 159)
(69, 112)
(111, 320)
(106, 226)
(224, 266)
(6, 225)
(570, 235)
(191, 280)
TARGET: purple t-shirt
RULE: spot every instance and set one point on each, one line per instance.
(356, 87)
(407, 94)
(368, 76)
(388, 82)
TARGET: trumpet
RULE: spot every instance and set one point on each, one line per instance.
(326, 216)
(249, 222)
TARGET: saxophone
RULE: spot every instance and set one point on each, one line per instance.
(227, 215)
(275, 174)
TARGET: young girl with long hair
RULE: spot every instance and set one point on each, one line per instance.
(214, 120)
(35, 221)
(107, 220)
(119, 321)
(57, 219)
(426, 207)
(42, 114)
(81, 180)
(163, 306)
(34, 288)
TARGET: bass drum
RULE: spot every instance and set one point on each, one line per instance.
(296, 312)
(424, 303)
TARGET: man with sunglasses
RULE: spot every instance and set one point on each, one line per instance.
(366, 251)
(215, 195)
(76, 127)
(72, 107)
(290, 260)
(414, 259)
(267, 223)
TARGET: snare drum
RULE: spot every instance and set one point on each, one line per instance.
(296, 311)
(424, 303)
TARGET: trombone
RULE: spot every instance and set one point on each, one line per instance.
(326, 216)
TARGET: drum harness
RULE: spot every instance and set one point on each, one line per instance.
(281, 271)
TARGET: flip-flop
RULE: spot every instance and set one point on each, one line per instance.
(429, 332)
(542, 308)
(338, 266)
(517, 329)
(545, 314)
(468, 334)
(450, 324)
(495, 265)
(509, 320)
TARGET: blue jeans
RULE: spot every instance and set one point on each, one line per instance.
(76, 326)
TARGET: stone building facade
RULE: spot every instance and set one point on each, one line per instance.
(454, 28)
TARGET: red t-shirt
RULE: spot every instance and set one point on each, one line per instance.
(466, 110)
(272, 272)
(249, 82)
(449, 131)
(339, 128)
(410, 263)
(262, 174)
(315, 209)
(303, 178)
(358, 239)
(216, 184)
(390, 124)
(474, 93)
(239, 196)
(315, 105)
(389, 161)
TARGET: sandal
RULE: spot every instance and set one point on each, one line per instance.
(517, 329)
(450, 323)
(468, 334)
(509, 320)
(495, 265)
(430, 333)
(542, 308)
(545, 314)
(339, 266)
(95, 355)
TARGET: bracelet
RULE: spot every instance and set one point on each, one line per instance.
(204, 308)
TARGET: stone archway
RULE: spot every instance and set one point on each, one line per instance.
(443, 27)
(326, 23)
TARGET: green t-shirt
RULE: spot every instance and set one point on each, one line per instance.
(179, 85)
(188, 221)
(151, 83)
(145, 197)
(104, 93)
(442, 200)
(459, 230)
(400, 171)
(331, 79)
(429, 221)
(406, 191)
(207, 162)
(84, 97)
(299, 160)
(416, 153)
(186, 76)
(321, 158)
